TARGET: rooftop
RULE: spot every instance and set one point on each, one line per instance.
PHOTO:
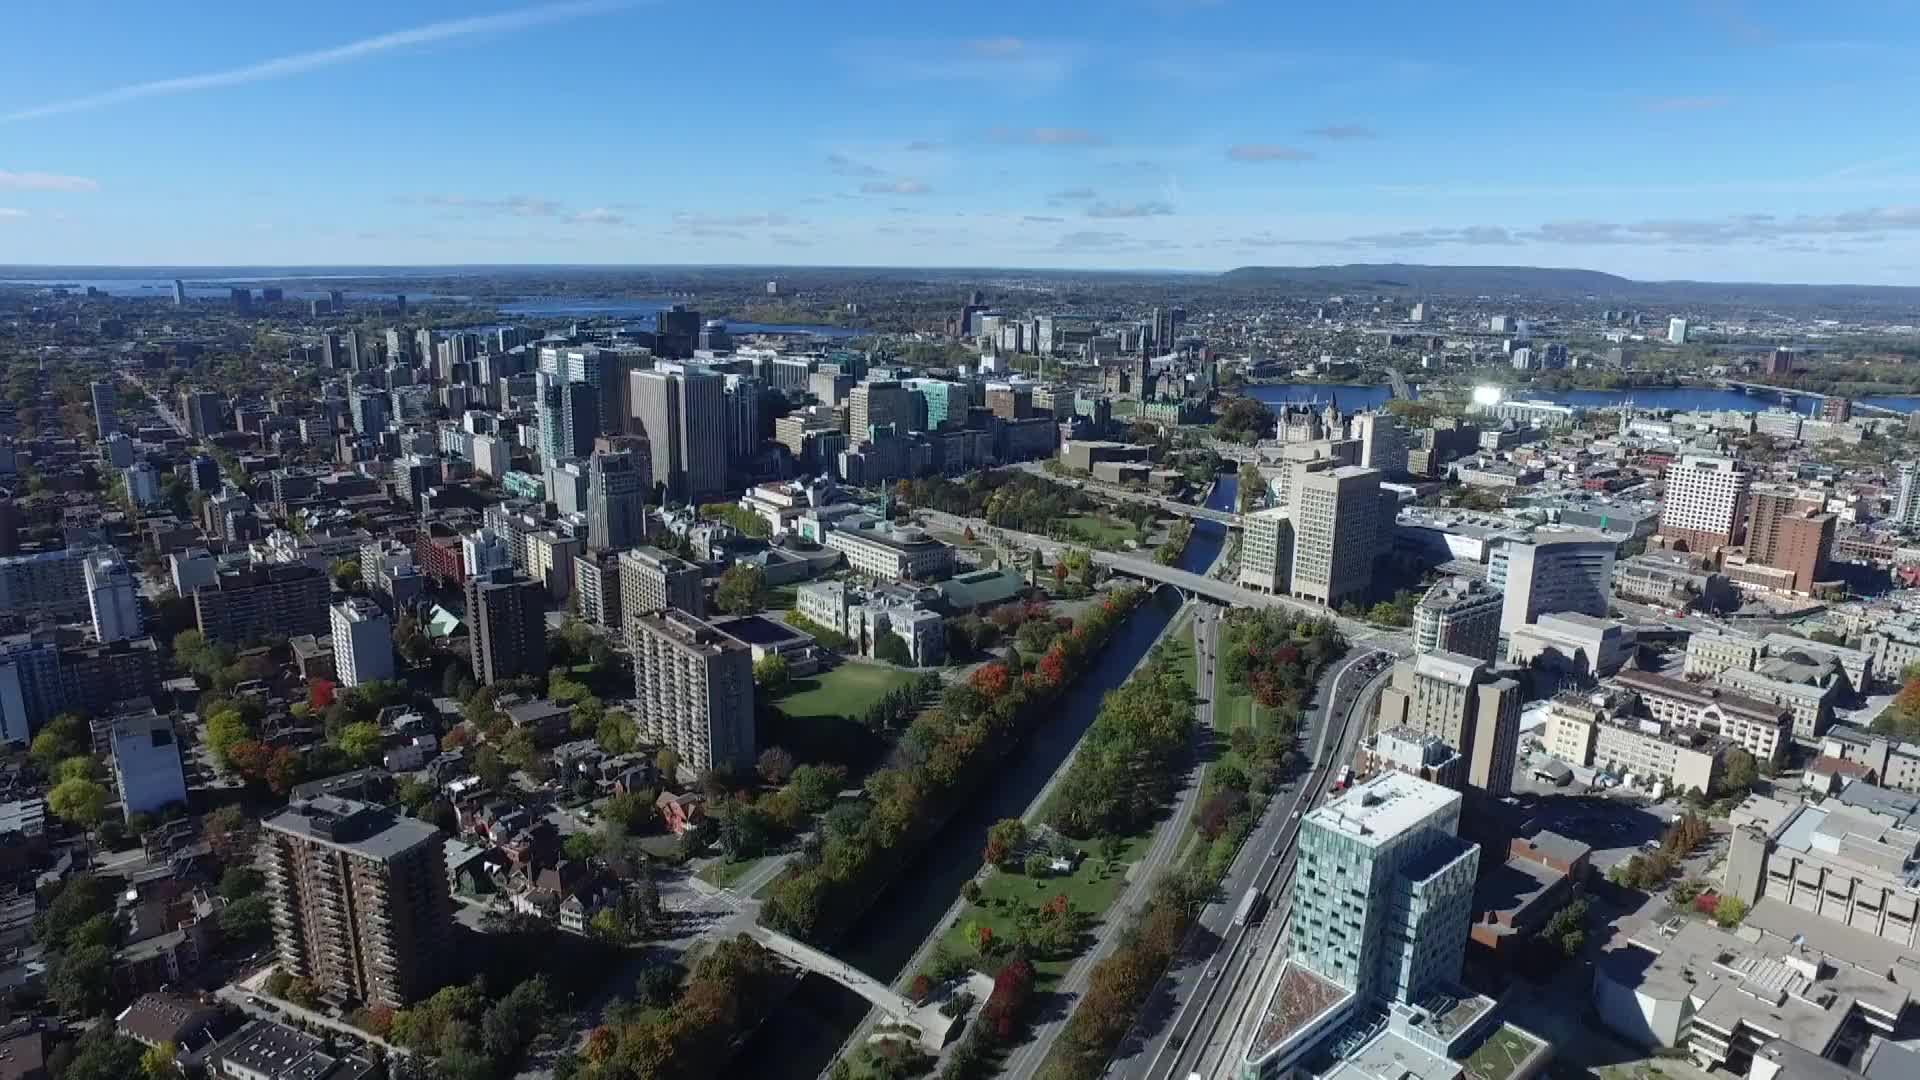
(1300, 1000)
(346, 825)
(1384, 807)
(1450, 667)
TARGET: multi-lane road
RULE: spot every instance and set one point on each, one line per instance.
(1218, 985)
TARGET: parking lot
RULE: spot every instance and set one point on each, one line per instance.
(1615, 828)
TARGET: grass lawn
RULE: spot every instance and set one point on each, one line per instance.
(848, 690)
(1500, 1055)
(1004, 894)
(1103, 530)
(1231, 708)
(1182, 647)
(783, 597)
(725, 872)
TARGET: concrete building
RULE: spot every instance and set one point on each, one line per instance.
(1553, 571)
(51, 583)
(361, 907)
(146, 762)
(106, 416)
(1459, 615)
(1567, 649)
(1849, 859)
(550, 556)
(1459, 700)
(1711, 652)
(506, 625)
(901, 611)
(1382, 899)
(1515, 900)
(362, 642)
(1337, 534)
(683, 415)
(31, 690)
(1266, 550)
(1705, 502)
(884, 551)
(1761, 728)
(112, 597)
(1788, 530)
(596, 582)
(569, 417)
(693, 691)
(652, 581)
(1383, 445)
(262, 602)
(1810, 702)
(1600, 730)
(880, 404)
(1412, 751)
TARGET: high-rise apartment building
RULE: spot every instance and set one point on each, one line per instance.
(1383, 445)
(617, 486)
(146, 762)
(203, 411)
(112, 597)
(743, 418)
(693, 691)
(106, 414)
(484, 549)
(1553, 571)
(263, 602)
(1266, 550)
(569, 417)
(46, 582)
(1336, 521)
(652, 581)
(507, 624)
(596, 583)
(1705, 502)
(1010, 401)
(1459, 615)
(1677, 331)
(361, 907)
(683, 415)
(362, 642)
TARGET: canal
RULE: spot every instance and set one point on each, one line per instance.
(804, 1032)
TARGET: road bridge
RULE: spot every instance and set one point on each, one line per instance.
(932, 1026)
(1787, 395)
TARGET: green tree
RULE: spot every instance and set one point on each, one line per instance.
(742, 590)
(78, 979)
(490, 768)
(770, 675)
(224, 730)
(81, 802)
(775, 765)
(65, 736)
(249, 918)
(346, 574)
(361, 742)
(240, 882)
(1740, 773)
(1729, 911)
(158, 1062)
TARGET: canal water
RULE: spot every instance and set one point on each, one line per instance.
(808, 1027)
(1680, 399)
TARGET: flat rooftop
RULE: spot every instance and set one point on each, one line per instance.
(1383, 807)
(1300, 1001)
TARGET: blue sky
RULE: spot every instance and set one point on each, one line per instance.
(1711, 139)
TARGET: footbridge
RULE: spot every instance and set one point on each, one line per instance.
(933, 1027)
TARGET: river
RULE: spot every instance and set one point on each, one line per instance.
(804, 1032)
(1679, 399)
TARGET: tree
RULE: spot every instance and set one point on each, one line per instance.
(581, 846)
(1037, 865)
(101, 1054)
(249, 918)
(346, 574)
(667, 763)
(78, 979)
(742, 590)
(223, 730)
(1730, 911)
(361, 742)
(158, 1062)
(770, 675)
(892, 648)
(490, 768)
(240, 882)
(775, 765)
(63, 737)
(1740, 772)
(81, 802)
(1004, 839)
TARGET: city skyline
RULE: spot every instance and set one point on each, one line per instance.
(1180, 136)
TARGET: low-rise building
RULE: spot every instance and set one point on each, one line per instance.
(884, 551)
(1759, 727)
(1542, 874)
(1568, 648)
(1851, 859)
(1810, 703)
(1600, 731)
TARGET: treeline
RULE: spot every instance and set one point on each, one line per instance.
(1124, 771)
(732, 987)
(1274, 656)
(946, 751)
(1005, 497)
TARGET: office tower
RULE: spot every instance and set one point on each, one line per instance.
(1459, 615)
(683, 415)
(1705, 502)
(352, 347)
(179, 293)
(550, 556)
(1790, 533)
(1336, 531)
(146, 762)
(263, 602)
(202, 412)
(1010, 402)
(596, 582)
(1780, 362)
(361, 908)
(362, 642)
(483, 550)
(1568, 570)
(106, 417)
(112, 596)
(599, 368)
(616, 500)
(1460, 701)
(1382, 444)
(242, 300)
(941, 401)
(399, 346)
(1382, 901)
(693, 691)
(568, 418)
(743, 418)
(423, 352)
(676, 331)
(507, 624)
(652, 580)
(1906, 493)
(1677, 331)
(1266, 550)
(878, 404)
(1418, 314)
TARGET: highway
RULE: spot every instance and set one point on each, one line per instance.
(1219, 983)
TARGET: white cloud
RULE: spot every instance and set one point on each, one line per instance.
(301, 63)
(44, 181)
(1151, 208)
(10, 212)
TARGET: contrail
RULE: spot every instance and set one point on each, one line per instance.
(299, 63)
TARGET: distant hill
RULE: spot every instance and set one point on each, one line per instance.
(1493, 280)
